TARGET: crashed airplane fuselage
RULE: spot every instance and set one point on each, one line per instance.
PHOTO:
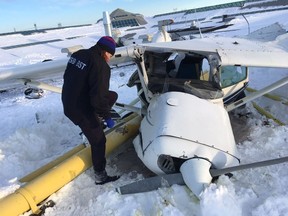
(185, 86)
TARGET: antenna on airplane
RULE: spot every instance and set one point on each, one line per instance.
(247, 23)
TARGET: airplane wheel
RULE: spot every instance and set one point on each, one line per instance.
(32, 93)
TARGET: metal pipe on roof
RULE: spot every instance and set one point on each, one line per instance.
(107, 23)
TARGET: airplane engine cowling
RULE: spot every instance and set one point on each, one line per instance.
(183, 126)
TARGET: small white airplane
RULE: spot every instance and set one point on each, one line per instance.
(186, 89)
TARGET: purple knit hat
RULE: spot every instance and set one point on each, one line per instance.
(107, 43)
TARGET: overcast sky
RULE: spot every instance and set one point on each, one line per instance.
(17, 15)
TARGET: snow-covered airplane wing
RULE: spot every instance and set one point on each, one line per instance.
(45, 70)
(232, 51)
(12, 77)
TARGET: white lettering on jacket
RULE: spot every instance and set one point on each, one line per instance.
(77, 63)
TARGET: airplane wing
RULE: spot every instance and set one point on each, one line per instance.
(45, 70)
(232, 51)
(12, 77)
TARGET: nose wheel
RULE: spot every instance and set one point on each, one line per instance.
(33, 93)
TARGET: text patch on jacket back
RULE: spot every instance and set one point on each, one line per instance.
(77, 63)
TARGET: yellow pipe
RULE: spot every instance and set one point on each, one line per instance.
(68, 154)
(267, 114)
(270, 96)
(31, 194)
(50, 165)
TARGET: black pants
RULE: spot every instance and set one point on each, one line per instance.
(96, 137)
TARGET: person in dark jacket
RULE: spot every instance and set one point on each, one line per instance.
(86, 98)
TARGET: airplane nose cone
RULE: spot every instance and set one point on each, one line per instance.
(196, 175)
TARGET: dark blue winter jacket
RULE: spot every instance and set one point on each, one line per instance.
(85, 92)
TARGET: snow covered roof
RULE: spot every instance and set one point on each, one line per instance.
(121, 18)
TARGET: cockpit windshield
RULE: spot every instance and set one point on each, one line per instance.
(181, 72)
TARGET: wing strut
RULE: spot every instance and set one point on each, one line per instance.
(45, 86)
(257, 94)
(40, 85)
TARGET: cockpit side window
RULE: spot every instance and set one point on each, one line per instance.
(205, 70)
(231, 75)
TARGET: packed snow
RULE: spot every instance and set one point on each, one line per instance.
(35, 132)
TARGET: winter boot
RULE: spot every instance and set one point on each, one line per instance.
(102, 178)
